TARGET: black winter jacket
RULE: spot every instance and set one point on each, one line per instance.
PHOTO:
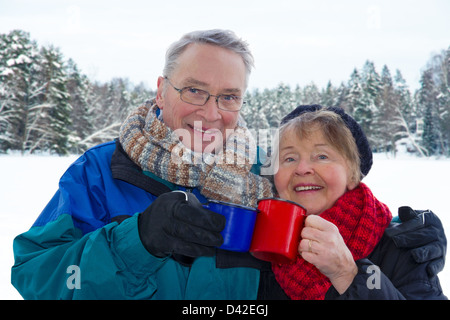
(402, 265)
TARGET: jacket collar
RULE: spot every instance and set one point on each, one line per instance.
(123, 168)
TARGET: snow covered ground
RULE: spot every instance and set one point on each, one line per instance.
(27, 184)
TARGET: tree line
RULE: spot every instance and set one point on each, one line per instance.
(48, 105)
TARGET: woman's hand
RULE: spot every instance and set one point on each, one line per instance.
(323, 246)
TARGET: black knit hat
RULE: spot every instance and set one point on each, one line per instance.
(365, 152)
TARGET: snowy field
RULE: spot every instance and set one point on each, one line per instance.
(27, 184)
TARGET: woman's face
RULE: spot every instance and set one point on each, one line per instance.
(311, 172)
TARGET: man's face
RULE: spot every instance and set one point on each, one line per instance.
(215, 70)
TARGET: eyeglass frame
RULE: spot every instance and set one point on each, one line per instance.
(180, 91)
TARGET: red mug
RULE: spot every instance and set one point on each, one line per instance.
(278, 226)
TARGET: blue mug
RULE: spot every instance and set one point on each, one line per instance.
(240, 223)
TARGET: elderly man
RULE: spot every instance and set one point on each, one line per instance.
(117, 228)
(114, 229)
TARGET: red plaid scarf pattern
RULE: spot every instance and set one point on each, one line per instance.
(361, 220)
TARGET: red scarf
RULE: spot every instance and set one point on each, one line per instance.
(361, 220)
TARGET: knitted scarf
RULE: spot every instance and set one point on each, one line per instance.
(223, 176)
(361, 220)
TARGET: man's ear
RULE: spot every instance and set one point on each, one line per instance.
(160, 92)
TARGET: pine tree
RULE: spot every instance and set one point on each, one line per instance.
(384, 122)
(104, 113)
(405, 103)
(252, 108)
(442, 75)
(79, 88)
(406, 117)
(57, 99)
(297, 95)
(329, 95)
(248, 109)
(354, 96)
(434, 104)
(427, 102)
(21, 111)
(429, 136)
(357, 107)
(342, 93)
(311, 94)
(268, 109)
(283, 99)
(371, 85)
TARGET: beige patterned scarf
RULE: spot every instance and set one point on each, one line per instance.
(223, 176)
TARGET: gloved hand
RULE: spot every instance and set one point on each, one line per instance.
(176, 223)
(423, 233)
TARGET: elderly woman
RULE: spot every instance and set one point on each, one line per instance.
(323, 155)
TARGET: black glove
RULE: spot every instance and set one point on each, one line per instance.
(423, 233)
(176, 223)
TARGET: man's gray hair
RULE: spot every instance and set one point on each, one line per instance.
(223, 38)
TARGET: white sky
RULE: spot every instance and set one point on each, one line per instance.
(293, 41)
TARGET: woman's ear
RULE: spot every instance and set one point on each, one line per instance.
(352, 184)
(352, 179)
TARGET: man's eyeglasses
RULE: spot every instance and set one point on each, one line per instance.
(198, 97)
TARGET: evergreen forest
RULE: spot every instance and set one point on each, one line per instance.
(48, 105)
